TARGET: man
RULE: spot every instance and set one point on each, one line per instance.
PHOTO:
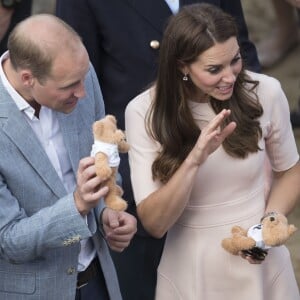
(123, 39)
(53, 225)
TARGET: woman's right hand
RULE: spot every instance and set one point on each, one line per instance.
(211, 137)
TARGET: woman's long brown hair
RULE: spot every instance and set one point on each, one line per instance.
(192, 31)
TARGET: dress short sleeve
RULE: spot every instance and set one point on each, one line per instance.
(143, 149)
(276, 126)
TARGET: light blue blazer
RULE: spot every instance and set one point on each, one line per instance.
(40, 227)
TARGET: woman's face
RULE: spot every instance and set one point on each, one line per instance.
(215, 71)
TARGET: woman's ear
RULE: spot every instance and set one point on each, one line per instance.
(182, 68)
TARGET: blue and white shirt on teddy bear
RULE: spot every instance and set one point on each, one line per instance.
(255, 232)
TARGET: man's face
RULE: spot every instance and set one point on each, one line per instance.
(62, 90)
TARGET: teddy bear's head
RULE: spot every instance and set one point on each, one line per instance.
(275, 229)
(105, 130)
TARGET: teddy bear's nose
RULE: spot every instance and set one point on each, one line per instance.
(272, 219)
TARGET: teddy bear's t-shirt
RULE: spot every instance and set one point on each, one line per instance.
(255, 232)
(111, 150)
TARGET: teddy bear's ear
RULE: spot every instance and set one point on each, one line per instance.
(111, 118)
(98, 127)
(292, 229)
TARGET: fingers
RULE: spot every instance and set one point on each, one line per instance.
(119, 241)
(211, 137)
(214, 125)
(119, 227)
(255, 255)
(228, 130)
(88, 191)
(218, 119)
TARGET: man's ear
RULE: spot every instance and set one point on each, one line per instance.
(27, 78)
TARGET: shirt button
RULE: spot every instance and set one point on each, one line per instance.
(71, 271)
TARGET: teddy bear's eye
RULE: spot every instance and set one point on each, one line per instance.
(272, 219)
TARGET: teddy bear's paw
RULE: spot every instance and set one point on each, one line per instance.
(292, 229)
(238, 230)
(120, 206)
(229, 247)
(243, 243)
(117, 204)
(104, 173)
(237, 243)
(119, 190)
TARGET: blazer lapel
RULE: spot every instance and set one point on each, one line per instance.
(21, 134)
(69, 128)
(155, 12)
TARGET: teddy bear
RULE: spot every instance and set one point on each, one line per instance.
(273, 230)
(108, 142)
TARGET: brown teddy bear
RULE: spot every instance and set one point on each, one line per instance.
(108, 142)
(273, 230)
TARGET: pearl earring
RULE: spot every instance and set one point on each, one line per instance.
(185, 78)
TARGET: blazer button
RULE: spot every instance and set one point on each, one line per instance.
(154, 44)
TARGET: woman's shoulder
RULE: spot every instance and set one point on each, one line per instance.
(268, 90)
(141, 102)
(266, 82)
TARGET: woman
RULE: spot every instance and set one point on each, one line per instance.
(198, 139)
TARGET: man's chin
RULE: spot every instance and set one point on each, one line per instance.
(67, 109)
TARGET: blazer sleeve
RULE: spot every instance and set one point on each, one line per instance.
(24, 238)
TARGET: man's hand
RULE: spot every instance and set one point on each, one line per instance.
(89, 190)
(119, 228)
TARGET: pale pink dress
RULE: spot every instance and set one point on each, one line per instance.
(227, 191)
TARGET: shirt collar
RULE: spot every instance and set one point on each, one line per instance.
(21, 103)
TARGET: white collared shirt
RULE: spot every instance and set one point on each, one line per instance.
(48, 132)
(174, 5)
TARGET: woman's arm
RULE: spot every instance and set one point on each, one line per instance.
(285, 190)
(160, 210)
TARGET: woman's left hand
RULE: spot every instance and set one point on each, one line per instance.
(254, 256)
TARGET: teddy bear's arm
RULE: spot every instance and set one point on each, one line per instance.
(238, 241)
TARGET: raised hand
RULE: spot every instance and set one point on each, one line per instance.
(211, 137)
